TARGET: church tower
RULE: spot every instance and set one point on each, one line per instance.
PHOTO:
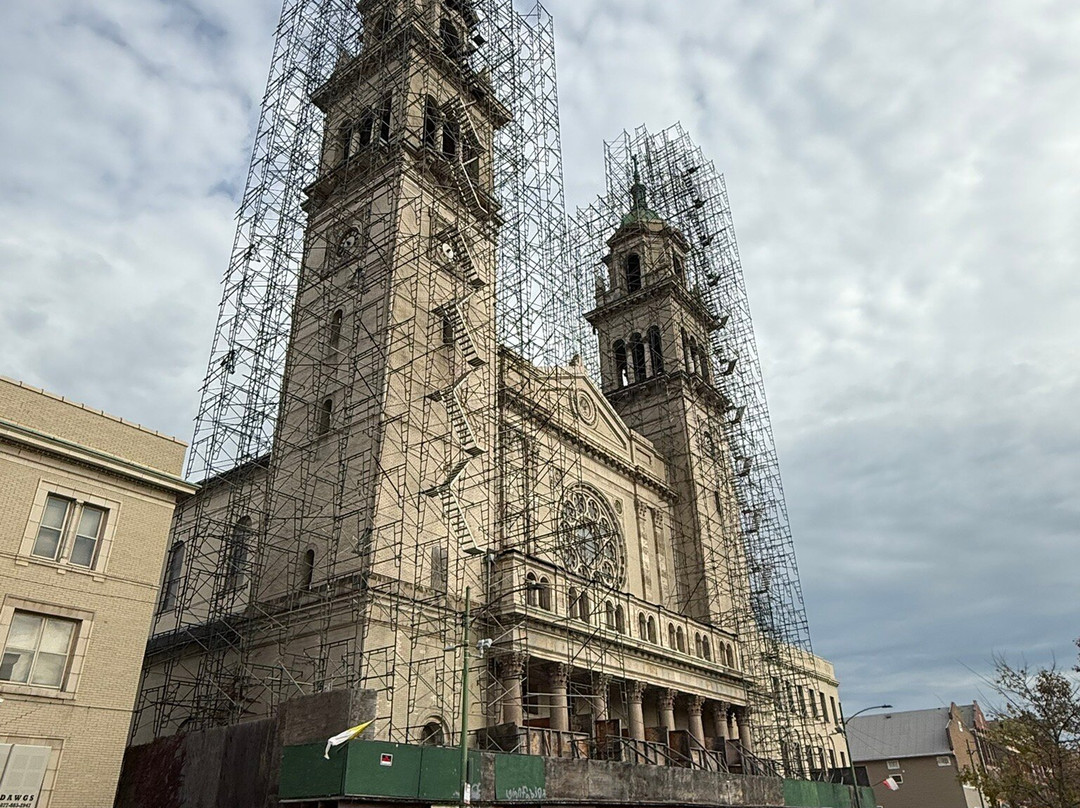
(654, 333)
(382, 470)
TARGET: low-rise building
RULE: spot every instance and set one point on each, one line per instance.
(924, 752)
(85, 505)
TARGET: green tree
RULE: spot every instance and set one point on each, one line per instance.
(1032, 748)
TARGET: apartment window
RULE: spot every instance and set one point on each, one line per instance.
(69, 531)
(943, 760)
(38, 649)
(892, 765)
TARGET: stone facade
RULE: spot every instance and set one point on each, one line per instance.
(85, 505)
(596, 528)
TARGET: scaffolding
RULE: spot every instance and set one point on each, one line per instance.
(397, 405)
(762, 579)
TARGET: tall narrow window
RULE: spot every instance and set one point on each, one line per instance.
(236, 553)
(694, 367)
(652, 630)
(679, 267)
(656, 350)
(307, 569)
(87, 536)
(439, 568)
(688, 356)
(637, 355)
(532, 590)
(621, 374)
(641, 626)
(346, 139)
(451, 136)
(571, 602)
(545, 594)
(326, 412)
(609, 615)
(633, 272)
(174, 568)
(620, 619)
(363, 130)
(385, 111)
(671, 635)
(333, 340)
(431, 123)
(451, 39)
(705, 650)
(680, 639)
(448, 336)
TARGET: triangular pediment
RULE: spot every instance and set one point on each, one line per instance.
(564, 399)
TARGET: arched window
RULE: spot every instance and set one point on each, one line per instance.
(633, 272)
(679, 266)
(451, 136)
(620, 619)
(385, 111)
(451, 38)
(609, 615)
(694, 368)
(705, 650)
(532, 590)
(384, 22)
(545, 594)
(307, 569)
(680, 639)
(671, 635)
(439, 568)
(432, 119)
(621, 374)
(326, 413)
(703, 361)
(731, 657)
(346, 140)
(572, 602)
(656, 351)
(432, 734)
(652, 630)
(584, 612)
(174, 568)
(333, 340)
(697, 644)
(236, 551)
(363, 130)
(642, 630)
(688, 356)
(637, 357)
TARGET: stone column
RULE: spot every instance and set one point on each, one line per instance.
(511, 668)
(601, 685)
(742, 715)
(694, 705)
(635, 692)
(720, 720)
(667, 708)
(560, 705)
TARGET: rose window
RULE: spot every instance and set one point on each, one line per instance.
(591, 544)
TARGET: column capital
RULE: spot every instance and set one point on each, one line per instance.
(601, 682)
(512, 666)
(694, 704)
(635, 692)
(667, 698)
(560, 675)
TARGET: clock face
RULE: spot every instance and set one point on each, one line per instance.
(350, 242)
(591, 544)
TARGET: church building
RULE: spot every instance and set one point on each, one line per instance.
(443, 522)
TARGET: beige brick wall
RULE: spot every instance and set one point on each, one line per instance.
(44, 412)
(86, 720)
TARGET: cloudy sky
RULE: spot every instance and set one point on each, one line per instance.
(905, 182)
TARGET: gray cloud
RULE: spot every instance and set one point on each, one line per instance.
(905, 184)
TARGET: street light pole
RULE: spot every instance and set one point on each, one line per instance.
(465, 701)
(850, 757)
